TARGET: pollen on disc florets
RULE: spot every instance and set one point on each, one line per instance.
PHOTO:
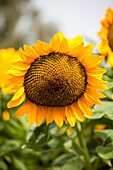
(110, 36)
(55, 80)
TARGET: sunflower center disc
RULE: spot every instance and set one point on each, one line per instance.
(110, 36)
(55, 80)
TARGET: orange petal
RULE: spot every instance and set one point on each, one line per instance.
(41, 114)
(31, 113)
(58, 113)
(49, 116)
(23, 110)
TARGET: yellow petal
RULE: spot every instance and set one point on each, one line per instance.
(16, 72)
(16, 102)
(41, 114)
(86, 51)
(70, 116)
(95, 81)
(18, 94)
(43, 48)
(30, 51)
(96, 93)
(92, 98)
(58, 113)
(75, 42)
(94, 72)
(75, 51)
(23, 109)
(25, 57)
(49, 116)
(20, 65)
(55, 42)
(31, 113)
(85, 108)
(64, 46)
(61, 36)
(92, 60)
(77, 112)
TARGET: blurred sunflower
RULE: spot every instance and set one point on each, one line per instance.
(7, 56)
(106, 33)
(60, 80)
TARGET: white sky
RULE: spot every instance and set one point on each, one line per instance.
(75, 17)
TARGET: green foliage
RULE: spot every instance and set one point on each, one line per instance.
(73, 164)
(106, 110)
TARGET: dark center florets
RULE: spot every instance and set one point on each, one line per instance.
(110, 36)
(55, 80)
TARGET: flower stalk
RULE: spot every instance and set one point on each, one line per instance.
(84, 150)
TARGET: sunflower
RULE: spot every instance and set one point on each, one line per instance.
(7, 56)
(60, 81)
(106, 33)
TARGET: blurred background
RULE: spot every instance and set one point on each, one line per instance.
(26, 21)
(25, 147)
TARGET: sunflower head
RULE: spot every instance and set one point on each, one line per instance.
(60, 80)
(106, 34)
(57, 80)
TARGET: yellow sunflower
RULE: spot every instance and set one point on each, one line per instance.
(106, 33)
(60, 80)
(7, 56)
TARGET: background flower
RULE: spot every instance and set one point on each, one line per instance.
(106, 33)
(7, 56)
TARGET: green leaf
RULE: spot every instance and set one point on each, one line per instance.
(39, 137)
(108, 93)
(3, 166)
(73, 164)
(9, 146)
(106, 110)
(19, 164)
(30, 157)
(62, 159)
(51, 145)
(105, 134)
(105, 152)
(110, 85)
(110, 81)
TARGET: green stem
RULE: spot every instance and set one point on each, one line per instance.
(75, 143)
(83, 145)
(96, 163)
